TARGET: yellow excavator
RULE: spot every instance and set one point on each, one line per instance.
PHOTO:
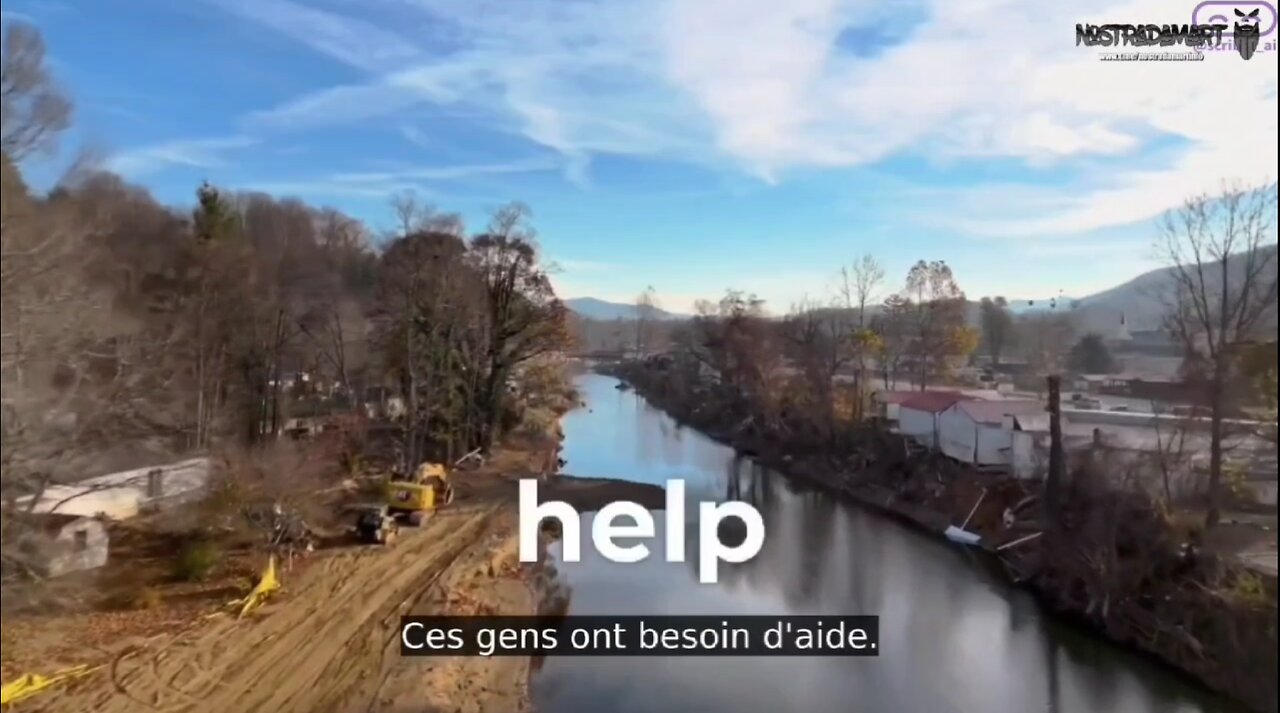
(417, 496)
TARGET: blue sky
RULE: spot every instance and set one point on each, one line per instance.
(688, 145)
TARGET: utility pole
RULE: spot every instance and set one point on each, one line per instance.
(1053, 483)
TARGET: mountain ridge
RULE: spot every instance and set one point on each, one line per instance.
(603, 310)
(1138, 303)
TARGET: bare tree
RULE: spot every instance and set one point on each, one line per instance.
(1046, 340)
(859, 283)
(997, 326)
(938, 310)
(35, 111)
(1223, 256)
(818, 338)
(858, 286)
(412, 214)
(525, 319)
(80, 373)
(646, 314)
(893, 328)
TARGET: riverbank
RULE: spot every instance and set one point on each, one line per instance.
(1205, 618)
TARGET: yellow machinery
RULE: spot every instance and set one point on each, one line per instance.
(427, 490)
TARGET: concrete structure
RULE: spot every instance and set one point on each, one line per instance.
(980, 433)
(122, 495)
(68, 543)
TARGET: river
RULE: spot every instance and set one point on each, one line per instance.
(953, 639)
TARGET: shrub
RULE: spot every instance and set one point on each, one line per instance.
(197, 560)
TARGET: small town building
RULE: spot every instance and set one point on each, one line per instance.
(918, 415)
(61, 544)
(980, 433)
(123, 494)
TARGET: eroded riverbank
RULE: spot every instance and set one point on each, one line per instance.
(1245, 671)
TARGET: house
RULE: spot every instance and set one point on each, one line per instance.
(918, 415)
(980, 432)
(123, 494)
(60, 544)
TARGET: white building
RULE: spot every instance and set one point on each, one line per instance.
(68, 543)
(918, 415)
(981, 432)
(122, 495)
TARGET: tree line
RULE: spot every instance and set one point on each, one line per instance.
(128, 323)
(785, 375)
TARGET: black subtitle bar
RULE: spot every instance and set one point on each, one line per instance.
(640, 636)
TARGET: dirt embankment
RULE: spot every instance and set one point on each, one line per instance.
(1225, 638)
(328, 643)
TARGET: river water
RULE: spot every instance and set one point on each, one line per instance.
(953, 639)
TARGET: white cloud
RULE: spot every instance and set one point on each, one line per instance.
(335, 105)
(190, 153)
(349, 40)
(767, 87)
(330, 189)
(380, 184)
(445, 173)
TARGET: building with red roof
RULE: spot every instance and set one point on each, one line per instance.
(918, 415)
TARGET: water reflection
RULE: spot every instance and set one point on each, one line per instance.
(952, 638)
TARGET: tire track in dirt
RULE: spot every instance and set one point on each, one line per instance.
(484, 579)
(300, 654)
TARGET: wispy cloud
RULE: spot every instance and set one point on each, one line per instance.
(328, 189)
(380, 184)
(447, 173)
(346, 39)
(191, 153)
(13, 16)
(33, 10)
(768, 88)
(336, 106)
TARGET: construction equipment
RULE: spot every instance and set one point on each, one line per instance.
(376, 524)
(421, 494)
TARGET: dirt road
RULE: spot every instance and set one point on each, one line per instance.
(329, 643)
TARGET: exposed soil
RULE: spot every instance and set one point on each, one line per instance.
(329, 641)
